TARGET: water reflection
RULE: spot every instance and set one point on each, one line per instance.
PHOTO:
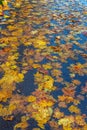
(43, 65)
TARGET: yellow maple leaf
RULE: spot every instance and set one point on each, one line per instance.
(85, 127)
(79, 120)
(5, 2)
(47, 66)
(21, 125)
(39, 43)
(48, 85)
(45, 103)
(66, 121)
(12, 107)
(31, 98)
(74, 109)
(68, 127)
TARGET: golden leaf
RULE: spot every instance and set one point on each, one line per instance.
(74, 109)
(31, 98)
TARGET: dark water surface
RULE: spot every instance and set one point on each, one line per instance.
(43, 65)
